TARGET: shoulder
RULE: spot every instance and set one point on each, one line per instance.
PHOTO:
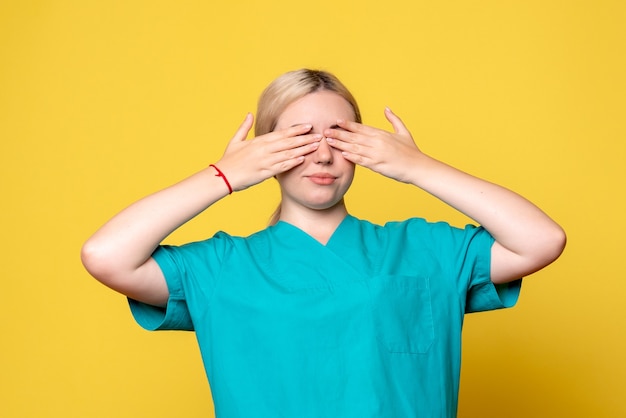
(220, 244)
(431, 228)
(211, 253)
(408, 227)
(419, 232)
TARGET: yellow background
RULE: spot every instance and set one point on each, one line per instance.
(102, 102)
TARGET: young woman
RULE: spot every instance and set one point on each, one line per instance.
(322, 314)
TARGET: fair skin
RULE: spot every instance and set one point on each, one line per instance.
(312, 192)
(312, 153)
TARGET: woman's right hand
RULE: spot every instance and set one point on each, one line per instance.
(249, 162)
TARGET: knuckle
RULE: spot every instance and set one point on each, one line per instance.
(284, 166)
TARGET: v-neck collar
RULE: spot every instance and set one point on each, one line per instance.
(335, 237)
(297, 261)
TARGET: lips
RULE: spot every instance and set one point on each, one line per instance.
(322, 178)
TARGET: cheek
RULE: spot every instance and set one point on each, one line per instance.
(286, 176)
(348, 183)
(350, 171)
(346, 165)
(281, 178)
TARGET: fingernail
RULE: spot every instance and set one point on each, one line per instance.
(329, 140)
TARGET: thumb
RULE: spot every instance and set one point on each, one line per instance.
(244, 128)
(396, 122)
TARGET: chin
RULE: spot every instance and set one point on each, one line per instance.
(325, 205)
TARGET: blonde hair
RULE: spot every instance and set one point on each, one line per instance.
(290, 87)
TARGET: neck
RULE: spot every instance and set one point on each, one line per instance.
(318, 223)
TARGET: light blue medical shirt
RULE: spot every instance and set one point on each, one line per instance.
(368, 325)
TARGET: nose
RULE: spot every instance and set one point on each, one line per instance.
(323, 154)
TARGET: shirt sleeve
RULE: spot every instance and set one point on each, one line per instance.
(475, 274)
(190, 271)
(464, 256)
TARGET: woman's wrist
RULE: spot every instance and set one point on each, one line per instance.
(219, 173)
(420, 169)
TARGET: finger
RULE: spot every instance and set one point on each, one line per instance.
(340, 144)
(244, 128)
(351, 126)
(292, 131)
(352, 131)
(396, 122)
(355, 158)
(294, 142)
(286, 165)
(354, 150)
(295, 153)
(341, 135)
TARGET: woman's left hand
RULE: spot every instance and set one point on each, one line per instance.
(387, 153)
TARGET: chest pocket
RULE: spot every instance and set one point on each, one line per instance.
(402, 312)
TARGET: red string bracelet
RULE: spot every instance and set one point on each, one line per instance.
(220, 174)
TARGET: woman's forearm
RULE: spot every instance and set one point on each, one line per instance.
(126, 242)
